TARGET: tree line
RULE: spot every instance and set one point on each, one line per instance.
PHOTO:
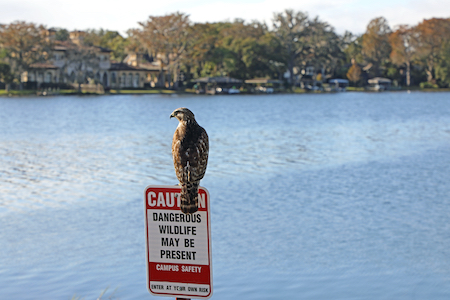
(410, 55)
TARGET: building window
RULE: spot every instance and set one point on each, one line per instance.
(48, 77)
(130, 80)
(136, 80)
(105, 80)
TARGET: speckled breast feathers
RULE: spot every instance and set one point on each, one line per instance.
(190, 147)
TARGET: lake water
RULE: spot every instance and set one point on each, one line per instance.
(323, 196)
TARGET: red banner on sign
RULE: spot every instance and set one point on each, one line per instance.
(167, 198)
(180, 273)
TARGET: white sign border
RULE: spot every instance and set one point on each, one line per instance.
(208, 212)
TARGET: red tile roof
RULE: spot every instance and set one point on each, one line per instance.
(43, 66)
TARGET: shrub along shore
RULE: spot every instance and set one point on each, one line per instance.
(26, 93)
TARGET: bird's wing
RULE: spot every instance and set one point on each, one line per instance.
(201, 155)
(190, 157)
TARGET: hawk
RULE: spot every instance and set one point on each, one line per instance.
(190, 149)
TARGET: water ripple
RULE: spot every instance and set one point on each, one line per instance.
(311, 193)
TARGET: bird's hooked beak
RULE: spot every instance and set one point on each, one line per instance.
(172, 116)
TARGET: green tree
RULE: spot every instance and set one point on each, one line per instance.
(61, 34)
(354, 73)
(5, 75)
(291, 31)
(92, 37)
(270, 48)
(241, 46)
(325, 47)
(352, 47)
(430, 38)
(24, 44)
(402, 49)
(165, 38)
(118, 45)
(237, 49)
(199, 50)
(107, 39)
(443, 68)
(375, 44)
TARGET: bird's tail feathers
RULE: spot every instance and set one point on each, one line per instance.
(189, 197)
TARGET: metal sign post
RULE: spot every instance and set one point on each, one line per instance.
(178, 245)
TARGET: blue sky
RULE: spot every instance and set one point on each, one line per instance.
(120, 15)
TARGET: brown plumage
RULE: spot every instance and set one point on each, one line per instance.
(190, 148)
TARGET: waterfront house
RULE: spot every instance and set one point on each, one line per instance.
(73, 63)
(264, 85)
(379, 84)
(217, 85)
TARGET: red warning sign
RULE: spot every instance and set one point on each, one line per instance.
(178, 245)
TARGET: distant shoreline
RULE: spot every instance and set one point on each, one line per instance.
(24, 93)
